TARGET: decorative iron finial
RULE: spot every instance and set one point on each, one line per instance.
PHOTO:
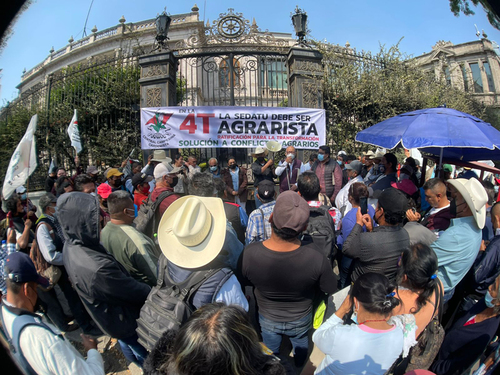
(347, 44)
(94, 29)
(122, 20)
(484, 34)
(71, 40)
(52, 50)
(195, 8)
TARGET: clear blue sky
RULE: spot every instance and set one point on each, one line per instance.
(364, 23)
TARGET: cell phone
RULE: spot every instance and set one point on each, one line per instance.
(363, 204)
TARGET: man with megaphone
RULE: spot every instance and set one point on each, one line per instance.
(289, 170)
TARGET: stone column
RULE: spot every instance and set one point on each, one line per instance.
(305, 72)
(157, 80)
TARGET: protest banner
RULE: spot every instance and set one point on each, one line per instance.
(23, 161)
(237, 127)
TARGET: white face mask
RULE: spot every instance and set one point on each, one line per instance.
(291, 156)
(497, 232)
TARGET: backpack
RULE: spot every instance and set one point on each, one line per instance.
(21, 322)
(321, 232)
(146, 220)
(169, 306)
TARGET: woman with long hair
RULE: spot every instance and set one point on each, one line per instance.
(216, 340)
(375, 340)
(418, 285)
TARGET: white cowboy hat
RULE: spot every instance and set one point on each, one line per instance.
(369, 154)
(475, 196)
(259, 151)
(192, 231)
(161, 157)
(379, 153)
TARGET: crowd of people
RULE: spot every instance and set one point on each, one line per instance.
(194, 272)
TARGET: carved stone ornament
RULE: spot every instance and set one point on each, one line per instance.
(310, 95)
(229, 29)
(308, 66)
(441, 44)
(154, 70)
(153, 97)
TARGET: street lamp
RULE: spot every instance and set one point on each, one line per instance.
(299, 20)
(162, 25)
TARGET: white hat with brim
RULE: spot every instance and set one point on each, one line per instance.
(192, 231)
(369, 154)
(475, 196)
(161, 157)
(259, 151)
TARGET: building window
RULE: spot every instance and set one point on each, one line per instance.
(273, 74)
(489, 76)
(224, 73)
(476, 77)
(447, 76)
(465, 78)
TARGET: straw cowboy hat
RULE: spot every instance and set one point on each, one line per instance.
(475, 196)
(369, 154)
(161, 157)
(259, 151)
(192, 231)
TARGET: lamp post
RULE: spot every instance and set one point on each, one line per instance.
(299, 20)
(162, 25)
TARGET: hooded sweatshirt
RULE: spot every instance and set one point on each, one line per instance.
(111, 296)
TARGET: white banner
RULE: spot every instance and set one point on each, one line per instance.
(247, 127)
(74, 134)
(23, 161)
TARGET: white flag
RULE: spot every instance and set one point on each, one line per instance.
(23, 161)
(74, 134)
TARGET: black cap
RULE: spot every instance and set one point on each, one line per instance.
(140, 178)
(393, 201)
(265, 189)
(20, 269)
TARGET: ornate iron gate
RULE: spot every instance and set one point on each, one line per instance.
(232, 63)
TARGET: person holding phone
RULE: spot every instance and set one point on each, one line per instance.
(358, 198)
(378, 249)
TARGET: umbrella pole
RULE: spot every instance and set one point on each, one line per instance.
(440, 167)
(423, 172)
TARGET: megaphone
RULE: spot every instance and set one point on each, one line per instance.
(273, 146)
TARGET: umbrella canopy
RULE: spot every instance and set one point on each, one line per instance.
(459, 135)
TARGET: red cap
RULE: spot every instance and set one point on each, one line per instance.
(104, 190)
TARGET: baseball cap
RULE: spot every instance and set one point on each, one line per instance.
(447, 168)
(140, 178)
(175, 170)
(21, 190)
(160, 170)
(393, 201)
(92, 169)
(20, 269)
(291, 211)
(355, 165)
(265, 189)
(104, 190)
(114, 172)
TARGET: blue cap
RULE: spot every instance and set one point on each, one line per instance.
(20, 269)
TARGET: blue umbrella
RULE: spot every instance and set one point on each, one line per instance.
(439, 131)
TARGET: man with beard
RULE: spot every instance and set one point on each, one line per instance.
(378, 249)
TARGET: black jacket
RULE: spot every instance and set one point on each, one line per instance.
(110, 295)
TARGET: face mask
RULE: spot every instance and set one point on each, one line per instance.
(339, 162)
(213, 169)
(291, 156)
(260, 160)
(145, 190)
(381, 168)
(488, 300)
(497, 232)
(175, 180)
(321, 157)
(128, 210)
(232, 166)
(354, 317)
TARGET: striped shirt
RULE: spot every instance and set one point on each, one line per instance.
(259, 227)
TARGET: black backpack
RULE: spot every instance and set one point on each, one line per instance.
(321, 232)
(169, 306)
(146, 221)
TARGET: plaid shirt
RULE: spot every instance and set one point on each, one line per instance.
(259, 228)
(5, 251)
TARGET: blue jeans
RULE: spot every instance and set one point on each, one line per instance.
(132, 350)
(345, 271)
(297, 330)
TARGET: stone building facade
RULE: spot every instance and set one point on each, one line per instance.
(472, 66)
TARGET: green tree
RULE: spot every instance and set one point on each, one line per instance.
(492, 11)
